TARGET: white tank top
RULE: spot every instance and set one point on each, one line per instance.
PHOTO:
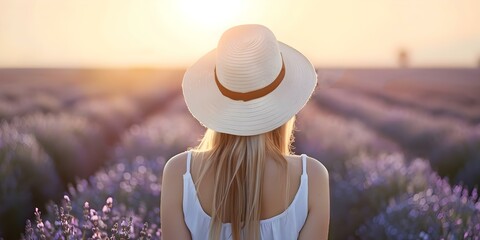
(284, 226)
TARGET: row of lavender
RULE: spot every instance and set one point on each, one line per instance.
(123, 199)
(378, 193)
(439, 92)
(465, 109)
(43, 149)
(450, 144)
(24, 91)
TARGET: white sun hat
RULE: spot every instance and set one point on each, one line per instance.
(250, 84)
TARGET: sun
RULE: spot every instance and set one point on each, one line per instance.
(210, 13)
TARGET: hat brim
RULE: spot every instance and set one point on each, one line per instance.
(245, 118)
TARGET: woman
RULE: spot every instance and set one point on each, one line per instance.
(242, 182)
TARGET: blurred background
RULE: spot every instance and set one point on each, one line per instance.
(91, 108)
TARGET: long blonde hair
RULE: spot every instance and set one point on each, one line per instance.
(238, 163)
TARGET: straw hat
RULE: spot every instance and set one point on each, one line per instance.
(250, 84)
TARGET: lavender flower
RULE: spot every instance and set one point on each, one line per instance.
(369, 185)
(95, 226)
(25, 168)
(439, 212)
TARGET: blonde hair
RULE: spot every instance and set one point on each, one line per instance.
(238, 163)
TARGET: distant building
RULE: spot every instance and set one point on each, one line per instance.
(403, 60)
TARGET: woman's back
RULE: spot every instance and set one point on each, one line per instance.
(176, 188)
(274, 190)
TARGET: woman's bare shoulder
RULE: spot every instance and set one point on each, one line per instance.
(177, 164)
(171, 213)
(315, 168)
(317, 224)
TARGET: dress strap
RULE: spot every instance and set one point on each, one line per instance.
(304, 164)
(189, 156)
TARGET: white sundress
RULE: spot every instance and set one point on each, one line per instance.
(284, 226)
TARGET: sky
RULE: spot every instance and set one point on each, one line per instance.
(175, 33)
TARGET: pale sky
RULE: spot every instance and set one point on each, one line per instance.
(175, 33)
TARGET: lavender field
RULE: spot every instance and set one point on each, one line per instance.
(82, 151)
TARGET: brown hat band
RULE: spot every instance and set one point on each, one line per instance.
(247, 96)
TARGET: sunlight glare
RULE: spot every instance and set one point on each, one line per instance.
(210, 13)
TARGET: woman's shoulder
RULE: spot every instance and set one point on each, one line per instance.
(318, 200)
(177, 164)
(314, 166)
